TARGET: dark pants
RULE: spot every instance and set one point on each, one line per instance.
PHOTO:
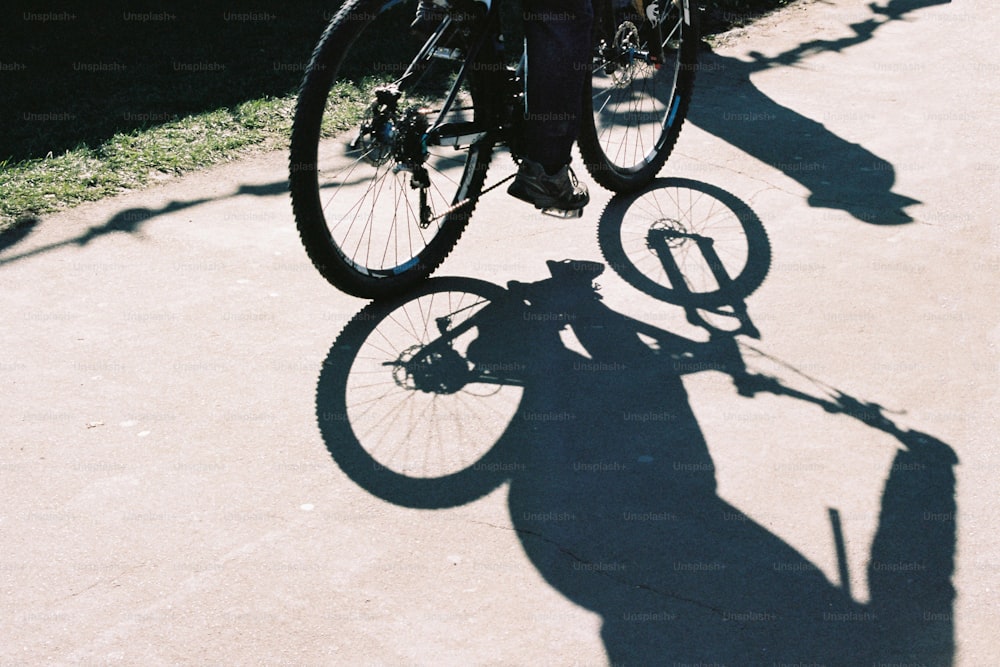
(558, 34)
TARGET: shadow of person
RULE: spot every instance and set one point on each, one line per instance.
(616, 505)
(612, 488)
(838, 174)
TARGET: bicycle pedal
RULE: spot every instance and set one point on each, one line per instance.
(563, 213)
(447, 53)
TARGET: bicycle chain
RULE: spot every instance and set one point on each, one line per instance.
(466, 202)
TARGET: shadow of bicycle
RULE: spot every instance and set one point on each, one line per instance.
(434, 399)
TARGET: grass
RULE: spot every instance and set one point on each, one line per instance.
(129, 161)
(110, 146)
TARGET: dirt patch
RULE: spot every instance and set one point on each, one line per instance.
(721, 27)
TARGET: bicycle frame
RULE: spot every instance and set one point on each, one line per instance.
(485, 36)
(427, 120)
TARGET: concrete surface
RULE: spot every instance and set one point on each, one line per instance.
(168, 496)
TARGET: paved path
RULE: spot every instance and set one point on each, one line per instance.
(167, 495)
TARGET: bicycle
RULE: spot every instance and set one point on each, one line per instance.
(381, 213)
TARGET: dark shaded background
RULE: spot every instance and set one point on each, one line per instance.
(186, 58)
(77, 73)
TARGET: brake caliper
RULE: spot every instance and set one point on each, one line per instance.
(377, 134)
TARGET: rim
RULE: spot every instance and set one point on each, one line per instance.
(381, 211)
(634, 90)
(375, 217)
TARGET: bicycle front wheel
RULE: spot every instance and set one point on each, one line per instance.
(642, 78)
(377, 208)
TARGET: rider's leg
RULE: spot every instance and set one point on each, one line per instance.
(428, 17)
(557, 35)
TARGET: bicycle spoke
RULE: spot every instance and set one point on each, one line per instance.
(636, 77)
(380, 215)
(396, 401)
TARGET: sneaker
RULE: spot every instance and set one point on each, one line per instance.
(560, 191)
(428, 18)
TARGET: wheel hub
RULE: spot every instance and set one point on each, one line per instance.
(671, 231)
(444, 372)
(377, 134)
(625, 48)
(386, 134)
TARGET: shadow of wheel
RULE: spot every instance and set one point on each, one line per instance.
(685, 242)
(413, 425)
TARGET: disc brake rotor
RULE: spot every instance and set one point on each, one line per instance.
(626, 44)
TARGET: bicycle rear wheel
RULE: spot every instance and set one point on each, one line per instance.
(641, 83)
(377, 208)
